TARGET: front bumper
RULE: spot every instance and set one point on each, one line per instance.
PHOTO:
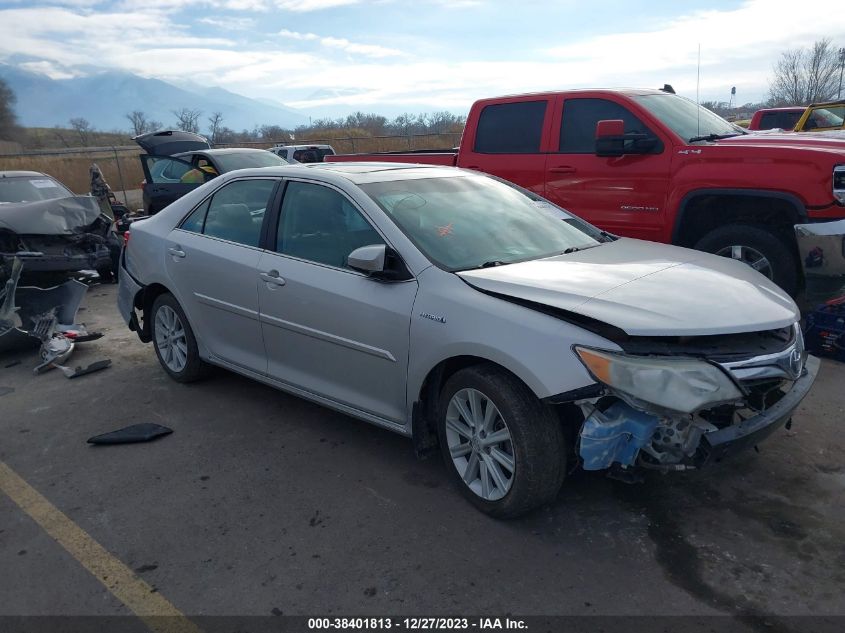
(43, 263)
(822, 248)
(719, 444)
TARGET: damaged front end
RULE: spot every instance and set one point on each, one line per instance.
(690, 401)
(31, 315)
(57, 236)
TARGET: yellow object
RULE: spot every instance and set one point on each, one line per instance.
(822, 116)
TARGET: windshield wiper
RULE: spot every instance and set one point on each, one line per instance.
(492, 264)
(713, 137)
(583, 247)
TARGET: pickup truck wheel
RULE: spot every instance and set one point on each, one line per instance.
(503, 447)
(762, 250)
(174, 341)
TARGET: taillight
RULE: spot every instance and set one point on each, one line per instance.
(125, 238)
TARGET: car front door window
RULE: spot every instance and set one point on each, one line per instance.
(321, 225)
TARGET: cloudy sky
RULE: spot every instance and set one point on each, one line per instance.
(415, 54)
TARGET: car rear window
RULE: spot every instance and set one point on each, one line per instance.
(244, 160)
(31, 189)
(782, 120)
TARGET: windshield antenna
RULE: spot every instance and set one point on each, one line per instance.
(698, 91)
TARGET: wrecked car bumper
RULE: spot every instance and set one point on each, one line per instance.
(746, 434)
(38, 262)
(619, 430)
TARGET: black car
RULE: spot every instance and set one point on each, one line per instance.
(54, 230)
(177, 162)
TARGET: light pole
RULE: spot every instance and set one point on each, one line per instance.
(841, 66)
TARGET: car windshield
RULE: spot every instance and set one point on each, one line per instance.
(31, 189)
(468, 222)
(244, 160)
(686, 118)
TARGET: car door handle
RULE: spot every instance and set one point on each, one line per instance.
(562, 169)
(475, 167)
(176, 251)
(272, 277)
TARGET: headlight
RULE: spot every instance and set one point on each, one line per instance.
(677, 384)
(839, 183)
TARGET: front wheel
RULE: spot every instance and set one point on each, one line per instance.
(764, 251)
(502, 446)
(174, 341)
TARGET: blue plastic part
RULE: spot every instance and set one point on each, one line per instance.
(615, 435)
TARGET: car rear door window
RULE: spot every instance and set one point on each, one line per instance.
(164, 170)
(580, 116)
(235, 212)
(510, 128)
(321, 225)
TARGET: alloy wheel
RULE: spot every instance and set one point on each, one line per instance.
(170, 339)
(750, 256)
(480, 444)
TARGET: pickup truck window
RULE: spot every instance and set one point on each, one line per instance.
(510, 128)
(473, 221)
(686, 118)
(784, 120)
(578, 127)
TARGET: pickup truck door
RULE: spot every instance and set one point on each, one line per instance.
(508, 139)
(625, 195)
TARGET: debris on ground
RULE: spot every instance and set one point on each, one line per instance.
(47, 315)
(143, 432)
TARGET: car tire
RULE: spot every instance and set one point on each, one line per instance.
(534, 446)
(174, 341)
(748, 243)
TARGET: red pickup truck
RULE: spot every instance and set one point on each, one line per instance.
(656, 166)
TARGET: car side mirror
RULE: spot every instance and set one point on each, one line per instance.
(611, 140)
(379, 262)
(368, 259)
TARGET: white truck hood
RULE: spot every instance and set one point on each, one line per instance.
(647, 289)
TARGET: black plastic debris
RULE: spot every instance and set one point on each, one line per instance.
(143, 432)
(76, 372)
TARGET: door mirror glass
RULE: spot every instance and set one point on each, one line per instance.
(368, 259)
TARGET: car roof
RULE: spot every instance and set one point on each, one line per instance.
(357, 173)
(631, 92)
(22, 174)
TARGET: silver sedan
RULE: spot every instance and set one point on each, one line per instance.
(470, 315)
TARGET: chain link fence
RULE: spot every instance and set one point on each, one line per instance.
(122, 169)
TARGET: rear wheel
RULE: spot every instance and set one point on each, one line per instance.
(502, 446)
(174, 341)
(757, 247)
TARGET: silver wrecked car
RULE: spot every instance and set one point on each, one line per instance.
(468, 313)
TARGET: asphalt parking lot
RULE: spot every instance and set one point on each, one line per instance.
(260, 503)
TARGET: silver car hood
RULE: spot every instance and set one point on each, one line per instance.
(646, 289)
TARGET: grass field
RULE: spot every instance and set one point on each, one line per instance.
(72, 169)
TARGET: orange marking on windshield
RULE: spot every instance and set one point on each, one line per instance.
(443, 231)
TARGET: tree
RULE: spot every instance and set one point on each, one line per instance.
(805, 75)
(188, 119)
(83, 129)
(8, 120)
(215, 125)
(140, 123)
